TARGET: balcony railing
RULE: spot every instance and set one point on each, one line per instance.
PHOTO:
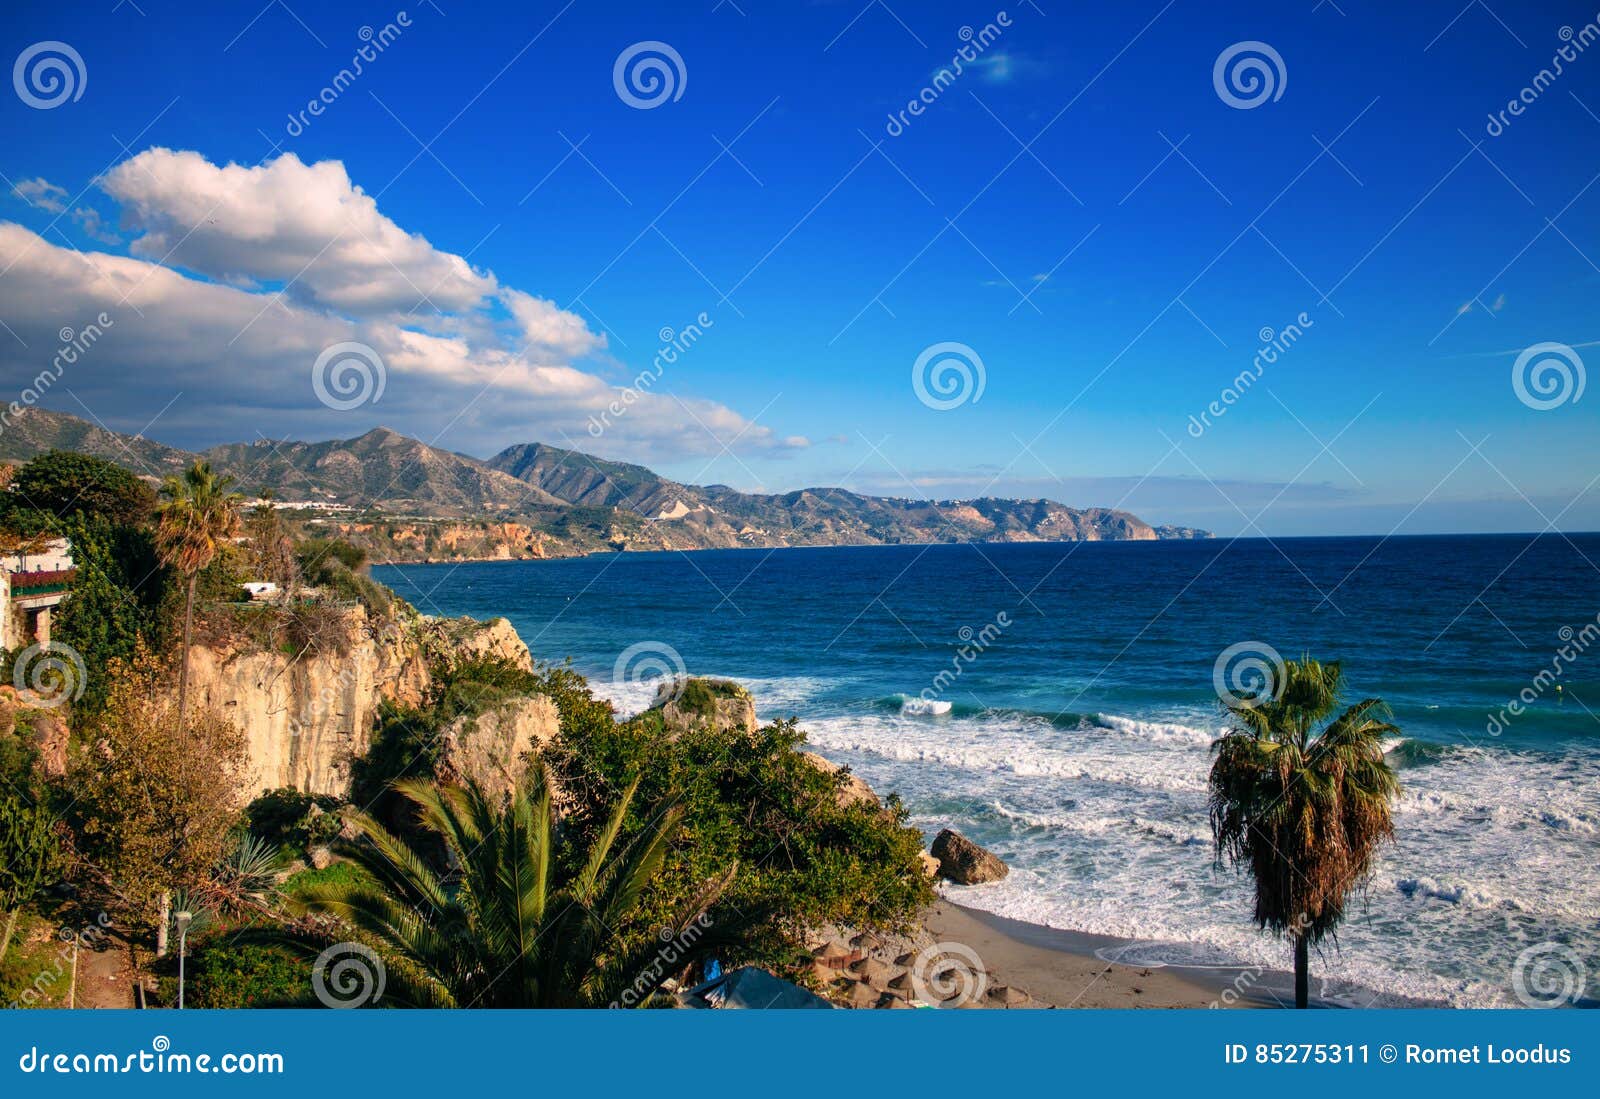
(41, 583)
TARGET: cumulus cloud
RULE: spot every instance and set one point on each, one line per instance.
(240, 278)
(548, 328)
(41, 193)
(306, 226)
(219, 362)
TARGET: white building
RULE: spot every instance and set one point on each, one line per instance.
(32, 585)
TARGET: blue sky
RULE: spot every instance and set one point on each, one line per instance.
(1036, 211)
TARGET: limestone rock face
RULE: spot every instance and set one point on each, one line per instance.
(496, 637)
(491, 748)
(700, 703)
(964, 862)
(305, 717)
(854, 791)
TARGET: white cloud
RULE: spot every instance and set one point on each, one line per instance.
(93, 225)
(238, 361)
(544, 326)
(285, 221)
(41, 193)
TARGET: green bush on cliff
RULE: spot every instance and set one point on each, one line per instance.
(751, 800)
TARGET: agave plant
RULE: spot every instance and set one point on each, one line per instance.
(1305, 811)
(507, 927)
(246, 880)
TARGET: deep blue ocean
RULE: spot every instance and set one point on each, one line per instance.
(1082, 682)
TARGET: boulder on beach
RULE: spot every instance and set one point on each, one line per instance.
(964, 862)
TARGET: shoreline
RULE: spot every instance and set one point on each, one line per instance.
(1067, 969)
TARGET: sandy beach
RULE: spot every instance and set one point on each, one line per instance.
(1061, 968)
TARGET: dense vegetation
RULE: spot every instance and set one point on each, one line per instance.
(632, 827)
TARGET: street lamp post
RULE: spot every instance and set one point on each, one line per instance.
(183, 919)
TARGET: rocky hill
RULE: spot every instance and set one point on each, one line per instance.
(407, 500)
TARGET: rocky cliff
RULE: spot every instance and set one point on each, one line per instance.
(306, 716)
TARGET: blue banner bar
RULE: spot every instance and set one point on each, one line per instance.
(810, 1053)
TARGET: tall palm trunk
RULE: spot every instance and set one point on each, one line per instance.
(1302, 972)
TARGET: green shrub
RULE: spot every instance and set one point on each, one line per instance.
(751, 800)
(339, 873)
(287, 817)
(222, 973)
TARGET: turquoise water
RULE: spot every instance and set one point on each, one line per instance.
(1082, 688)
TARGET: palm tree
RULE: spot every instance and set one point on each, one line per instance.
(196, 517)
(1304, 813)
(508, 928)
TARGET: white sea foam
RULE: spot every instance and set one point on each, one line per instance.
(1105, 827)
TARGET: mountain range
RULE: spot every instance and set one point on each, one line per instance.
(410, 500)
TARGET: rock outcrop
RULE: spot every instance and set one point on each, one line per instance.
(964, 862)
(853, 790)
(492, 748)
(694, 703)
(495, 638)
(305, 717)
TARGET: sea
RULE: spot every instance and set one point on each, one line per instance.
(1057, 703)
